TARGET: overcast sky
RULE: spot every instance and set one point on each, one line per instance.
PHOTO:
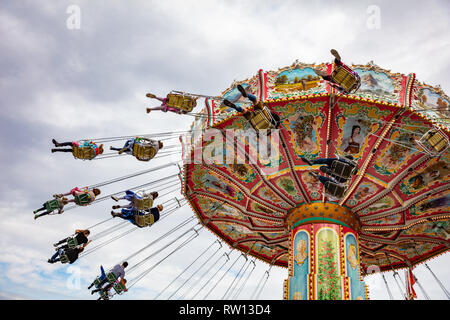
(90, 82)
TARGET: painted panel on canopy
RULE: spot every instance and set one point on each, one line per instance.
(205, 180)
(386, 235)
(304, 127)
(285, 182)
(265, 223)
(408, 249)
(431, 102)
(429, 176)
(367, 189)
(254, 206)
(372, 246)
(311, 184)
(212, 208)
(390, 220)
(435, 229)
(395, 156)
(355, 126)
(267, 194)
(237, 168)
(275, 235)
(380, 84)
(433, 205)
(293, 81)
(263, 249)
(264, 152)
(233, 231)
(388, 202)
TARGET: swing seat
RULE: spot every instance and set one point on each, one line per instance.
(104, 295)
(262, 119)
(144, 220)
(434, 142)
(181, 101)
(52, 205)
(63, 258)
(97, 282)
(343, 76)
(143, 203)
(84, 153)
(143, 151)
(342, 170)
(72, 242)
(111, 277)
(334, 190)
(119, 288)
(82, 199)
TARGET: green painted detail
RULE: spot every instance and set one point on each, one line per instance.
(321, 219)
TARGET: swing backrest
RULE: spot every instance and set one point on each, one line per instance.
(342, 169)
(345, 78)
(104, 295)
(180, 101)
(84, 153)
(143, 151)
(262, 119)
(434, 142)
(111, 277)
(63, 258)
(144, 220)
(119, 288)
(72, 242)
(82, 199)
(334, 190)
(97, 282)
(143, 203)
(52, 205)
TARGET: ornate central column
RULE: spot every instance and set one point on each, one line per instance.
(324, 255)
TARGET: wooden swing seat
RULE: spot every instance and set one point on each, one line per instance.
(345, 78)
(144, 220)
(183, 102)
(143, 203)
(72, 242)
(63, 258)
(82, 199)
(334, 190)
(261, 119)
(84, 153)
(111, 277)
(143, 151)
(119, 288)
(52, 205)
(434, 142)
(342, 170)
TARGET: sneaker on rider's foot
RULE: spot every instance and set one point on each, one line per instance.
(335, 54)
(242, 90)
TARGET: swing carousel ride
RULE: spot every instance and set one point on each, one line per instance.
(384, 208)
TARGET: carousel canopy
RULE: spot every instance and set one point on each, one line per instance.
(400, 193)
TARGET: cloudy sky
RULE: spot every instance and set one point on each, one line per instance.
(64, 82)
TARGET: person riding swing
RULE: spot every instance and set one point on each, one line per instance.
(261, 118)
(142, 148)
(84, 149)
(342, 77)
(174, 102)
